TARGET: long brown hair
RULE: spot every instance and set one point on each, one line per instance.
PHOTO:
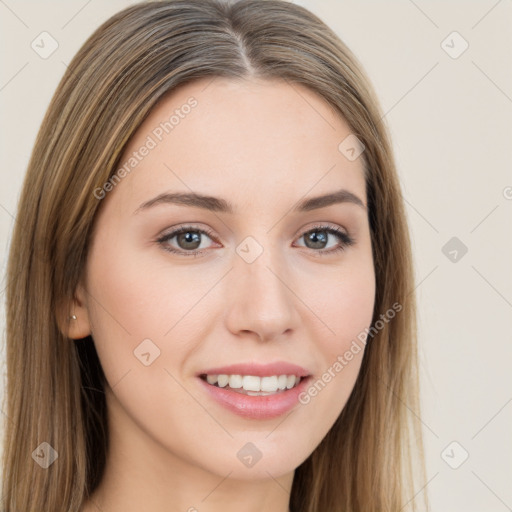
(55, 384)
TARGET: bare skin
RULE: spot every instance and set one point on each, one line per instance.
(263, 146)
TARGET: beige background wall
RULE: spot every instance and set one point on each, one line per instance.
(450, 116)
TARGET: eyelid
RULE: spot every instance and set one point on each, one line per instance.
(346, 238)
(319, 225)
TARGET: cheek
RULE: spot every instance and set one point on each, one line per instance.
(139, 304)
(131, 295)
(143, 335)
(349, 310)
(344, 305)
(125, 306)
(345, 310)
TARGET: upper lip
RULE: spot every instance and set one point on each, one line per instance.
(258, 369)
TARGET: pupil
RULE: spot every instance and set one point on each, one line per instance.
(189, 238)
(313, 237)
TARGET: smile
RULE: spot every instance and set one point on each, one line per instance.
(253, 385)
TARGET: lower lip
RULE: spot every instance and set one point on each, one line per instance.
(257, 407)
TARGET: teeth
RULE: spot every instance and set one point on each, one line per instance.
(253, 384)
(222, 381)
(269, 384)
(211, 379)
(290, 382)
(235, 381)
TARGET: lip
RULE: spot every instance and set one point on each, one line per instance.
(258, 370)
(257, 407)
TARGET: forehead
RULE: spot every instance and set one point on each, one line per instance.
(250, 140)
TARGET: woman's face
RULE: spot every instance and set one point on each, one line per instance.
(262, 286)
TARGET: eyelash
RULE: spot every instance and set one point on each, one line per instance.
(345, 239)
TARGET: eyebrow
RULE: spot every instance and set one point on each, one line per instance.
(217, 204)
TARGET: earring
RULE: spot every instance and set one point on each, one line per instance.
(73, 317)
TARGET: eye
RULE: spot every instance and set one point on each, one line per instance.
(318, 237)
(189, 240)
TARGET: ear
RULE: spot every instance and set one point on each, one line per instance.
(73, 316)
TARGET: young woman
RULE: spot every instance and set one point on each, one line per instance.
(209, 303)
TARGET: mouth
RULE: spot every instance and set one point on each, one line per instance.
(256, 391)
(253, 385)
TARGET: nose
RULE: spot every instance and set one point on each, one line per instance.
(261, 301)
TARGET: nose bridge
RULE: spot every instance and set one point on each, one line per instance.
(257, 264)
(261, 299)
